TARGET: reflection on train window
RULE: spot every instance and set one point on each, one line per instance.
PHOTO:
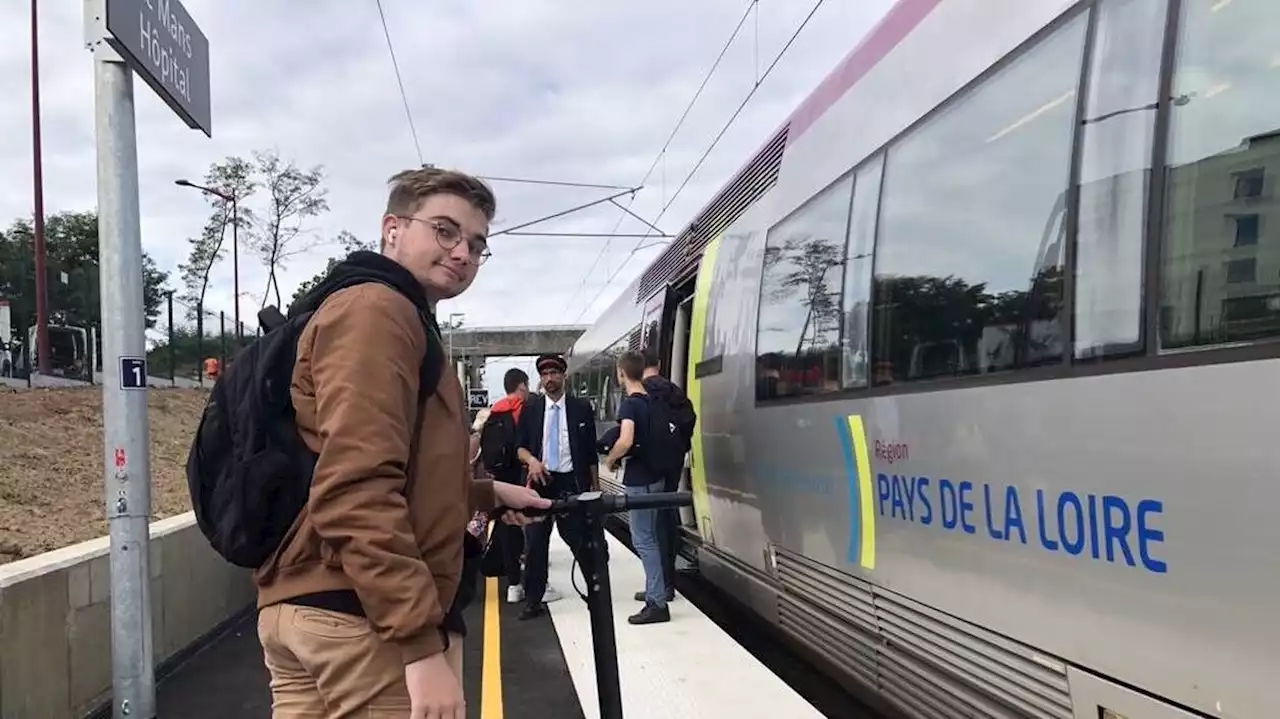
(1220, 280)
(1115, 172)
(736, 281)
(1248, 227)
(798, 341)
(1250, 183)
(854, 345)
(969, 256)
(612, 391)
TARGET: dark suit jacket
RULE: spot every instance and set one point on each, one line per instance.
(582, 433)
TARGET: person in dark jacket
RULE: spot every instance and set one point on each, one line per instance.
(505, 466)
(661, 389)
(557, 446)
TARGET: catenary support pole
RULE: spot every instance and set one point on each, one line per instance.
(37, 165)
(126, 430)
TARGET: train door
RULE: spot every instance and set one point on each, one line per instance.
(666, 329)
(695, 348)
(678, 363)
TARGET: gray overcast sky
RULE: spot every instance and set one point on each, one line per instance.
(577, 90)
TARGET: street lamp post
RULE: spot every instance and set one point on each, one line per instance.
(235, 247)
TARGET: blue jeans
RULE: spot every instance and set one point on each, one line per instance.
(644, 537)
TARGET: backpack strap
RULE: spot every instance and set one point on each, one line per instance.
(433, 361)
(270, 317)
(429, 375)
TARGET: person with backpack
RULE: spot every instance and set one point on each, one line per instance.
(648, 450)
(332, 458)
(680, 410)
(498, 448)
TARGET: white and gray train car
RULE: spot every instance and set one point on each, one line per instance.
(980, 343)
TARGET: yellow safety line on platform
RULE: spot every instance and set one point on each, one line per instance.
(491, 674)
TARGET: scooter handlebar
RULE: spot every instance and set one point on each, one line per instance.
(611, 503)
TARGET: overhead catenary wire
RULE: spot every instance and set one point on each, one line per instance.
(413, 130)
(555, 183)
(666, 145)
(706, 154)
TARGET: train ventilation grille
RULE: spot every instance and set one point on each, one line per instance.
(929, 664)
(749, 185)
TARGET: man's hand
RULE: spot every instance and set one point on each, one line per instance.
(515, 497)
(537, 471)
(434, 690)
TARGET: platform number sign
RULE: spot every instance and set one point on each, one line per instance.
(133, 373)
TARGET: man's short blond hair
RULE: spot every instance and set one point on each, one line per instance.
(411, 187)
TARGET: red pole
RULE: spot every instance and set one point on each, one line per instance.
(42, 298)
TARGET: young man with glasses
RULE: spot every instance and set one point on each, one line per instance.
(353, 604)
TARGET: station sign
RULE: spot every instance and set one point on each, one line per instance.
(160, 42)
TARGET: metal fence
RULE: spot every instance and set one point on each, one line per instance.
(190, 344)
(186, 346)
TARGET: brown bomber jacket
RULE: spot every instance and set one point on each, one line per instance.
(396, 542)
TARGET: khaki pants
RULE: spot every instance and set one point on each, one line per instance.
(329, 665)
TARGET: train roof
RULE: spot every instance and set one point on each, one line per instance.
(754, 179)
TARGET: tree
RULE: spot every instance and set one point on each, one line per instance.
(349, 243)
(975, 329)
(810, 262)
(71, 246)
(234, 178)
(206, 251)
(803, 265)
(294, 196)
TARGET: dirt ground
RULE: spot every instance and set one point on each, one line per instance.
(51, 468)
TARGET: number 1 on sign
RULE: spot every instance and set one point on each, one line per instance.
(133, 373)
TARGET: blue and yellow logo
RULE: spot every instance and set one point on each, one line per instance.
(857, 467)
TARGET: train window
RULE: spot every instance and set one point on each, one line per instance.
(736, 284)
(1115, 171)
(969, 262)
(798, 339)
(594, 378)
(609, 370)
(857, 273)
(1223, 125)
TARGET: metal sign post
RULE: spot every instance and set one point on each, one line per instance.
(158, 40)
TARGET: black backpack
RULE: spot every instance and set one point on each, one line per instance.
(249, 471)
(682, 416)
(498, 443)
(661, 447)
(679, 408)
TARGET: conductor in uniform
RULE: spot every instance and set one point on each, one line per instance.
(556, 439)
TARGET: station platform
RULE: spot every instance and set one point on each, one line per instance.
(537, 669)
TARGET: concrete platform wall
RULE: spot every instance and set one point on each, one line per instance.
(55, 617)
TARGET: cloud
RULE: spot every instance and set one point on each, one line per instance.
(554, 89)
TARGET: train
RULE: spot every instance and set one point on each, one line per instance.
(974, 340)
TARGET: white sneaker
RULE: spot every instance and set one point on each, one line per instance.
(551, 595)
(515, 594)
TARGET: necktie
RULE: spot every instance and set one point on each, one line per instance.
(553, 439)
